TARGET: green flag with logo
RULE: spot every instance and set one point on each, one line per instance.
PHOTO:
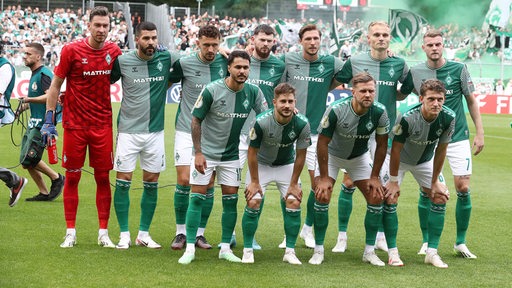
(405, 26)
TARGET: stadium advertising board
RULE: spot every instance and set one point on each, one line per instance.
(488, 103)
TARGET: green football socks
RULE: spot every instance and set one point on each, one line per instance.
(181, 198)
(249, 225)
(207, 207)
(148, 205)
(390, 220)
(321, 222)
(229, 215)
(291, 226)
(435, 224)
(122, 203)
(423, 208)
(310, 209)
(372, 222)
(344, 207)
(462, 216)
(194, 215)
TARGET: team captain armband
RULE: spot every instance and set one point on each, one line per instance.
(382, 130)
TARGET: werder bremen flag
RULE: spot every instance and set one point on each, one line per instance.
(334, 45)
(498, 14)
(405, 26)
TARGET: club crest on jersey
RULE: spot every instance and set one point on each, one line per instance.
(439, 132)
(108, 58)
(199, 102)
(221, 72)
(369, 126)
(325, 122)
(397, 129)
(321, 68)
(292, 135)
(159, 66)
(246, 103)
(272, 71)
(34, 86)
(252, 134)
(448, 79)
(391, 71)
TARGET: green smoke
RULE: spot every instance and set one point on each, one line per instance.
(465, 13)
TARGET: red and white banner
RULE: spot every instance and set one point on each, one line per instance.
(494, 104)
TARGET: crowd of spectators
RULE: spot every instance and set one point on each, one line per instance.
(53, 29)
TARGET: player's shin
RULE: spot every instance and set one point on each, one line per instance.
(122, 203)
(390, 221)
(423, 209)
(435, 224)
(194, 216)
(148, 205)
(372, 221)
(462, 215)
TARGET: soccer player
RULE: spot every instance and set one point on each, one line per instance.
(7, 82)
(272, 158)
(313, 76)
(40, 80)
(145, 79)
(387, 71)
(420, 141)
(15, 184)
(87, 119)
(195, 72)
(266, 72)
(343, 142)
(222, 108)
(459, 86)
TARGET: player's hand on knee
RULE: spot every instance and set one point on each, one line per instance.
(439, 193)
(295, 191)
(392, 190)
(252, 189)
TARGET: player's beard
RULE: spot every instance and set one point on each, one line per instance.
(285, 113)
(308, 51)
(240, 79)
(263, 52)
(148, 51)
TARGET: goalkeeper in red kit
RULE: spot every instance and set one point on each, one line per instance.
(86, 119)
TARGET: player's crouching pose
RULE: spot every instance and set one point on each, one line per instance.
(343, 143)
(420, 140)
(222, 108)
(271, 158)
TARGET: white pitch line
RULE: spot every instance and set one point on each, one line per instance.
(498, 137)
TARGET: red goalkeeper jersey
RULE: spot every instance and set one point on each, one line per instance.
(87, 72)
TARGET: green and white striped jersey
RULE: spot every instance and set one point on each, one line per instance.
(387, 73)
(275, 141)
(223, 113)
(194, 74)
(458, 83)
(312, 81)
(350, 132)
(420, 137)
(145, 84)
(266, 74)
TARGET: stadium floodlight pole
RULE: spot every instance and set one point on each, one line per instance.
(199, 7)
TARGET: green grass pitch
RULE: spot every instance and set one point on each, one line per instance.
(30, 234)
